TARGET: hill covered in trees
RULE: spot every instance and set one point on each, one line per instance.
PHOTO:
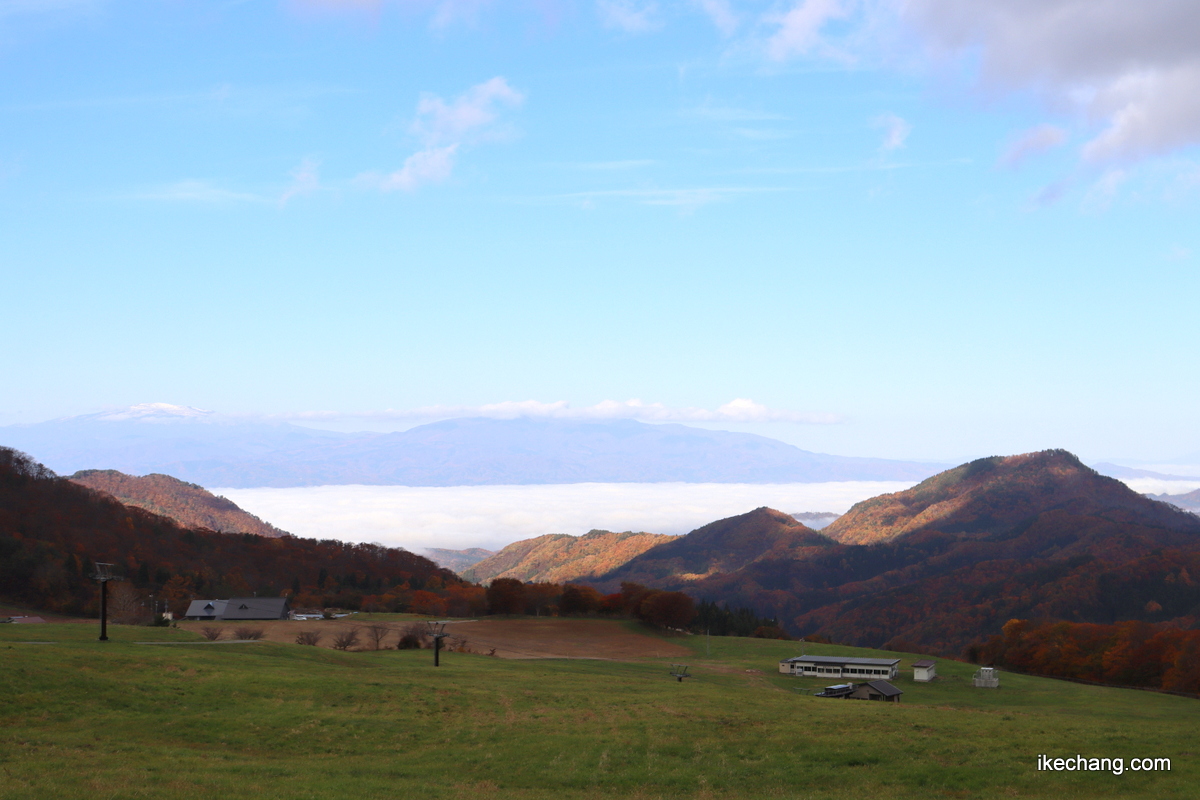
(722, 547)
(188, 504)
(52, 530)
(947, 564)
(561, 558)
(991, 495)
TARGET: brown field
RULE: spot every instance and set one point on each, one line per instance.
(509, 638)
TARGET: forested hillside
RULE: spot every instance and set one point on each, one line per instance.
(1038, 536)
(51, 530)
(186, 503)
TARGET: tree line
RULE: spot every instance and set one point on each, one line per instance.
(1134, 653)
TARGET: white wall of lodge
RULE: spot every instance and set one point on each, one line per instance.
(867, 672)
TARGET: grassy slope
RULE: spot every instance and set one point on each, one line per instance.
(85, 719)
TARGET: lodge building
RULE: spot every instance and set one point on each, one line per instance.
(841, 667)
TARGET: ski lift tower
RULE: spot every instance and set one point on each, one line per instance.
(103, 574)
(437, 631)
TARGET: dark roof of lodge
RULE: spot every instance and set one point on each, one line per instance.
(885, 688)
(842, 661)
(925, 662)
(255, 608)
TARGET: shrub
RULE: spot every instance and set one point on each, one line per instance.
(211, 633)
(248, 634)
(412, 637)
(309, 637)
(346, 639)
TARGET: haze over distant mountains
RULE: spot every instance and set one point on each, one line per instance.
(212, 450)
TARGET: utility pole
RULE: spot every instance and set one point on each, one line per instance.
(104, 573)
(437, 630)
(707, 646)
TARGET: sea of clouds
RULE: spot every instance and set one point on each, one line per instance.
(458, 517)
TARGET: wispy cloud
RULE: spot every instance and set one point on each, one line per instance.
(628, 16)
(798, 30)
(444, 127)
(1033, 142)
(895, 131)
(305, 181)
(738, 410)
(686, 198)
(723, 17)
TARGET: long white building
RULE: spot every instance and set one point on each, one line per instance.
(841, 667)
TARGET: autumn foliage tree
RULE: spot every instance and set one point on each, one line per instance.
(506, 596)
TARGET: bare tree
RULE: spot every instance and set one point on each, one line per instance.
(376, 633)
(125, 607)
(251, 634)
(346, 639)
(211, 633)
(309, 637)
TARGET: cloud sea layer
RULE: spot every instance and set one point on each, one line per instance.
(458, 517)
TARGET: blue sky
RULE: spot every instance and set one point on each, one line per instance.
(932, 229)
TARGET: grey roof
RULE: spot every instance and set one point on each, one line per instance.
(256, 608)
(885, 688)
(925, 662)
(842, 661)
(206, 608)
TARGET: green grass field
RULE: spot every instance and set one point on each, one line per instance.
(84, 719)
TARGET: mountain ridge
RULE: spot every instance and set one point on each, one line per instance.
(209, 450)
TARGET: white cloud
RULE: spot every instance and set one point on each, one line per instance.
(438, 122)
(432, 165)
(458, 517)
(444, 127)
(895, 131)
(738, 410)
(721, 14)
(305, 181)
(1035, 141)
(1133, 68)
(799, 29)
(628, 16)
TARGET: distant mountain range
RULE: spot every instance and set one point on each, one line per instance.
(188, 504)
(1189, 501)
(211, 450)
(457, 560)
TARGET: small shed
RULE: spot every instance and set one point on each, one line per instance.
(924, 670)
(987, 678)
(876, 690)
